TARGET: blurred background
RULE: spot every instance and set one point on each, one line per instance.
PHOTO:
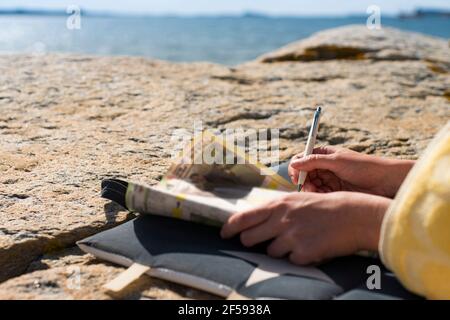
(222, 31)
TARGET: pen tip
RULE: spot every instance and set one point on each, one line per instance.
(299, 187)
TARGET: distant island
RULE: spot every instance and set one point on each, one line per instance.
(426, 13)
(37, 12)
(416, 14)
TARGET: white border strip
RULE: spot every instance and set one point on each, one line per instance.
(163, 273)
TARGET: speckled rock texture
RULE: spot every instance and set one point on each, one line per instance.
(69, 121)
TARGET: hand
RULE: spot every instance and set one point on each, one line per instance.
(311, 227)
(338, 169)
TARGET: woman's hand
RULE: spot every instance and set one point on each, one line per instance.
(311, 227)
(338, 169)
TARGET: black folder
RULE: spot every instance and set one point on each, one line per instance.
(194, 255)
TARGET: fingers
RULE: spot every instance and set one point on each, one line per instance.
(325, 150)
(314, 162)
(293, 173)
(262, 232)
(309, 186)
(309, 251)
(300, 250)
(241, 221)
(303, 257)
(298, 162)
(281, 246)
(330, 180)
(317, 150)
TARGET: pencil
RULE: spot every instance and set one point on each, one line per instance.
(309, 145)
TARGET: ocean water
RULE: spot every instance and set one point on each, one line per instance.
(225, 40)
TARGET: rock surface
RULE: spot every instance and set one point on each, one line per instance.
(71, 274)
(358, 43)
(69, 121)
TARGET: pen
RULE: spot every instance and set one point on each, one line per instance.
(309, 145)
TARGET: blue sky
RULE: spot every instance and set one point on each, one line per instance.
(189, 7)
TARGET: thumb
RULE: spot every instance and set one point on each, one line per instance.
(316, 161)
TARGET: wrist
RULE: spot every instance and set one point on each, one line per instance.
(395, 173)
(369, 214)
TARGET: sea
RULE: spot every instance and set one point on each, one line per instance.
(228, 40)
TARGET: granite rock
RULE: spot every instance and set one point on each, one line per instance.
(69, 121)
(357, 42)
(71, 274)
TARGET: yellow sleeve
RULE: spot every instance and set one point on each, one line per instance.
(415, 235)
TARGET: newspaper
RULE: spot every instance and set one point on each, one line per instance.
(208, 193)
(192, 165)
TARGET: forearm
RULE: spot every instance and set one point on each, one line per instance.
(368, 212)
(396, 172)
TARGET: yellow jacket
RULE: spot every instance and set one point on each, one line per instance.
(415, 235)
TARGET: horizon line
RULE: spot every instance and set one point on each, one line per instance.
(242, 14)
